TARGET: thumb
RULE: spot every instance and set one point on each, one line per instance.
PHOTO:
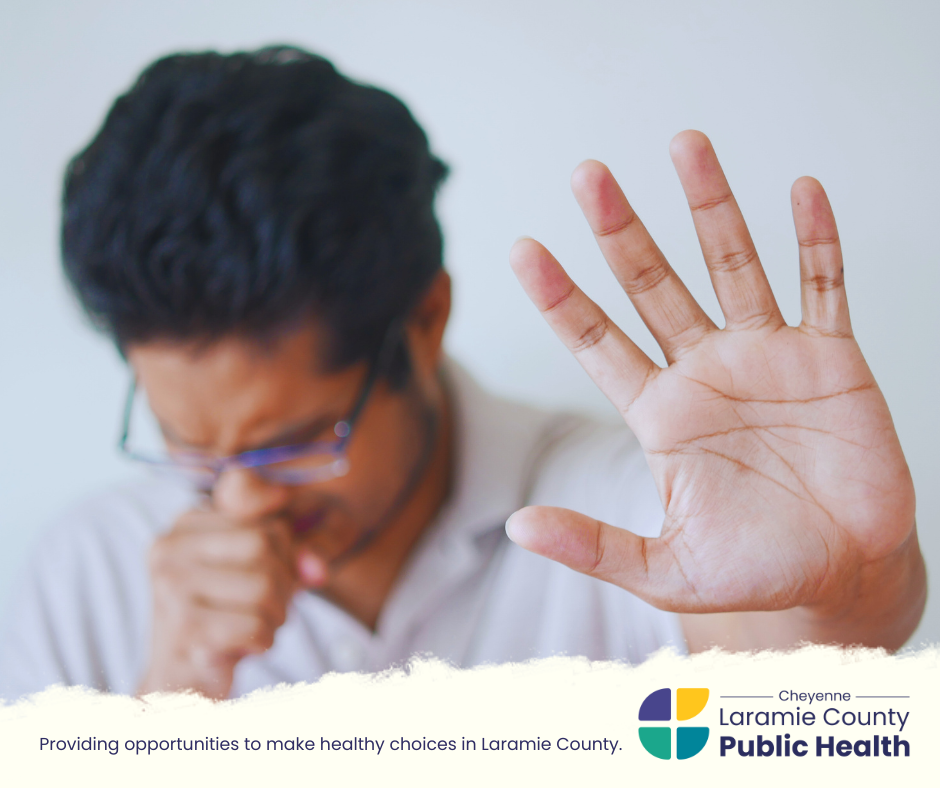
(312, 571)
(645, 567)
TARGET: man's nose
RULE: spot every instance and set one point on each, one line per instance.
(243, 494)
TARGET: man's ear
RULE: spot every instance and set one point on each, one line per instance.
(426, 324)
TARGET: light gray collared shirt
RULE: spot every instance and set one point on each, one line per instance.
(82, 611)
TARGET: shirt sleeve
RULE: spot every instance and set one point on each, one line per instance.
(80, 612)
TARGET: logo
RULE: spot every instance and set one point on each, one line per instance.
(657, 707)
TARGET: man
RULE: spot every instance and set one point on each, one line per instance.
(257, 234)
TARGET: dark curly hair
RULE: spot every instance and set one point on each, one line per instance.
(248, 193)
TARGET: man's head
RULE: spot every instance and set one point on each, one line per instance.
(247, 194)
(247, 228)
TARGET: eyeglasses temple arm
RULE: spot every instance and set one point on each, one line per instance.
(379, 367)
(128, 407)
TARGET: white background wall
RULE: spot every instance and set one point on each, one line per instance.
(513, 93)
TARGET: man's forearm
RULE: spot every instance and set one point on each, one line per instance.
(879, 607)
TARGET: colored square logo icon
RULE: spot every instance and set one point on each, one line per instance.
(657, 707)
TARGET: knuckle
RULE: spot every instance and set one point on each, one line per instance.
(162, 559)
(213, 633)
(260, 634)
(647, 278)
(817, 331)
(192, 520)
(194, 629)
(592, 335)
(707, 205)
(685, 340)
(171, 606)
(760, 319)
(563, 298)
(203, 632)
(617, 227)
(735, 260)
(266, 639)
(279, 615)
(809, 243)
(825, 283)
(265, 589)
(256, 543)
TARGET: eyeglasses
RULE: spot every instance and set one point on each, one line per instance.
(298, 464)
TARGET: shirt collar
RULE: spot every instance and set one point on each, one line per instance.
(497, 443)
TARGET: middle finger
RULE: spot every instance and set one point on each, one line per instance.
(663, 302)
(733, 265)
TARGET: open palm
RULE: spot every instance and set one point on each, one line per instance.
(772, 448)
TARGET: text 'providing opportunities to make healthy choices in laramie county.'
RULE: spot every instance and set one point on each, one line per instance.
(363, 744)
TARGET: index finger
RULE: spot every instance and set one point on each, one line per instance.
(619, 368)
(220, 539)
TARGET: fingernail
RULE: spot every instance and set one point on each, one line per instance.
(513, 531)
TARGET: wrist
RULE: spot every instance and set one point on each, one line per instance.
(878, 604)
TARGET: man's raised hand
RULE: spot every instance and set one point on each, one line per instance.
(775, 457)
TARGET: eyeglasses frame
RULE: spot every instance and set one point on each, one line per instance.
(258, 459)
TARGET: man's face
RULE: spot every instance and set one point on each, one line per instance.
(237, 395)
